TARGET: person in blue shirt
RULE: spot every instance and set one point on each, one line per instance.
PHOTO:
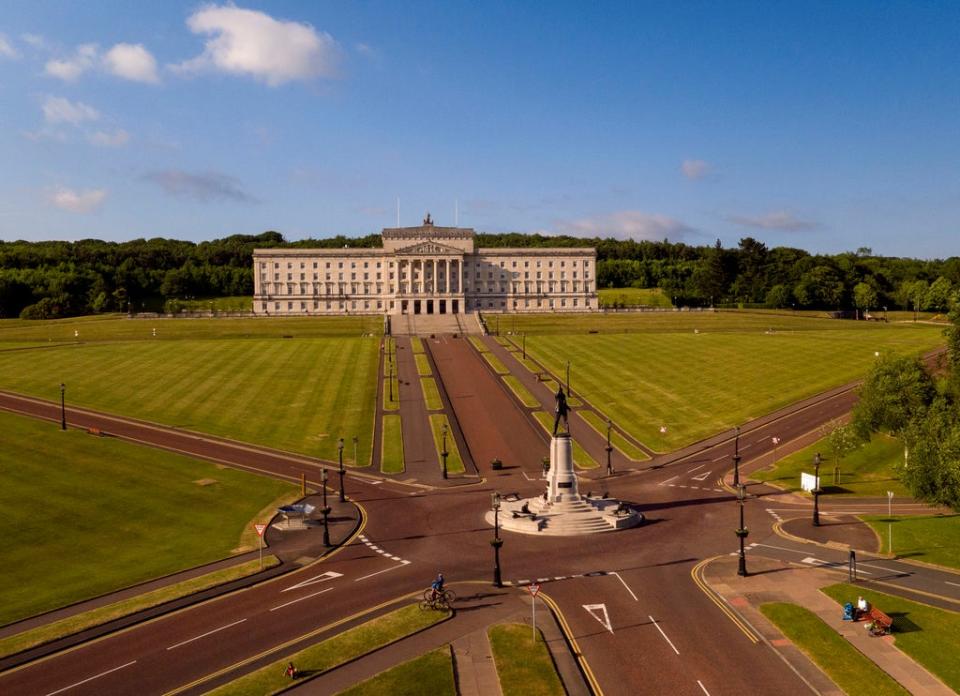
(437, 585)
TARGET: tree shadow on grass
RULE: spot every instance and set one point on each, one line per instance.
(901, 624)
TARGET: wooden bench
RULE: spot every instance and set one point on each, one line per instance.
(93, 430)
(881, 622)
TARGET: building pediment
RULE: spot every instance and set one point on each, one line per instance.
(429, 248)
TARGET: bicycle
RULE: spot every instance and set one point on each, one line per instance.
(437, 600)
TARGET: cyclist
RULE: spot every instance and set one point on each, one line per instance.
(437, 586)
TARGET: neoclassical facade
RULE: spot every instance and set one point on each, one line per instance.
(424, 270)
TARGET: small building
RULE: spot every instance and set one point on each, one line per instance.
(424, 270)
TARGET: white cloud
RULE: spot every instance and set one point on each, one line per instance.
(35, 40)
(627, 224)
(6, 48)
(694, 169)
(70, 69)
(204, 186)
(61, 110)
(774, 220)
(131, 62)
(247, 42)
(117, 138)
(78, 201)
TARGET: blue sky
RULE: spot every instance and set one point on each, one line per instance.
(826, 126)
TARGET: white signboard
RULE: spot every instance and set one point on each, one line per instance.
(809, 482)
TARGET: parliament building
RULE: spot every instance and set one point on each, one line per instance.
(424, 270)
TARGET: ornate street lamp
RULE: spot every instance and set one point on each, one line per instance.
(609, 449)
(816, 490)
(325, 511)
(568, 378)
(742, 533)
(736, 458)
(340, 472)
(496, 542)
(524, 345)
(443, 452)
(63, 408)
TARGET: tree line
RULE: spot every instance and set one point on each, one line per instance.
(56, 279)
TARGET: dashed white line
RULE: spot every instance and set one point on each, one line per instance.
(952, 583)
(204, 635)
(89, 679)
(664, 635)
(690, 471)
(385, 570)
(300, 599)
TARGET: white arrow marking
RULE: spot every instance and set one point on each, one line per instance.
(701, 477)
(605, 621)
(323, 577)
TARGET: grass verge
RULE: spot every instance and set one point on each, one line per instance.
(423, 365)
(96, 617)
(335, 651)
(523, 666)
(933, 539)
(416, 344)
(394, 403)
(929, 635)
(478, 344)
(431, 395)
(495, 363)
(428, 674)
(522, 393)
(843, 663)
(391, 451)
(623, 445)
(580, 457)
(454, 461)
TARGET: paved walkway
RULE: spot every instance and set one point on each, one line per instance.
(419, 453)
(774, 581)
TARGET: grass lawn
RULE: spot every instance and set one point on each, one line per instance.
(391, 457)
(394, 403)
(297, 394)
(325, 655)
(524, 667)
(929, 635)
(428, 674)
(88, 515)
(580, 456)
(633, 297)
(842, 662)
(478, 343)
(243, 303)
(650, 370)
(869, 471)
(95, 617)
(622, 444)
(496, 363)
(526, 398)
(454, 461)
(416, 344)
(431, 394)
(933, 539)
(423, 365)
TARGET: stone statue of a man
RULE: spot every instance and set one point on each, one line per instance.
(561, 411)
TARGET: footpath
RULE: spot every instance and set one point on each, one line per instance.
(777, 581)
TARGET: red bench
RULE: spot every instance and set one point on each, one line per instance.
(880, 623)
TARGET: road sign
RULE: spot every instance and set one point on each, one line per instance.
(533, 589)
(596, 610)
(260, 529)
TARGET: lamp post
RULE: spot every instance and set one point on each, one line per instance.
(816, 490)
(496, 542)
(325, 511)
(63, 408)
(391, 382)
(524, 345)
(736, 458)
(609, 449)
(443, 452)
(355, 460)
(568, 378)
(340, 471)
(742, 533)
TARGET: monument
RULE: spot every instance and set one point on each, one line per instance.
(561, 510)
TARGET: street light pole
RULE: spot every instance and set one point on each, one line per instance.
(325, 511)
(524, 345)
(443, 452)
(568, 378)
(497, 542)
(343, 497)
(609, 449)
(742, 533)
(63, 408)
(816, 490)
(736, 458)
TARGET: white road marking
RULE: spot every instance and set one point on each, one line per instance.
(952, 583)
(323, 577)
(605, 621)
(625, 585)
(88, 679)
(696, 467)
(837, 564)
(386, 570)
(885, 570)
(721, 457)
(783, 548)
(703, 687)
(299, 599)
(669, 479)
(664, 635)
(204, 635)
(701, 477)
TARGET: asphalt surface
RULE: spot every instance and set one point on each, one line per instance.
(629, 598)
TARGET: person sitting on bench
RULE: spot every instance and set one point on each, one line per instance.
(862, 607)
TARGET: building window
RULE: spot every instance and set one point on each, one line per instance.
(353, 264)
(290, 305)
(289, 265)
(276, 276)
(327, 265)
(276, 306)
